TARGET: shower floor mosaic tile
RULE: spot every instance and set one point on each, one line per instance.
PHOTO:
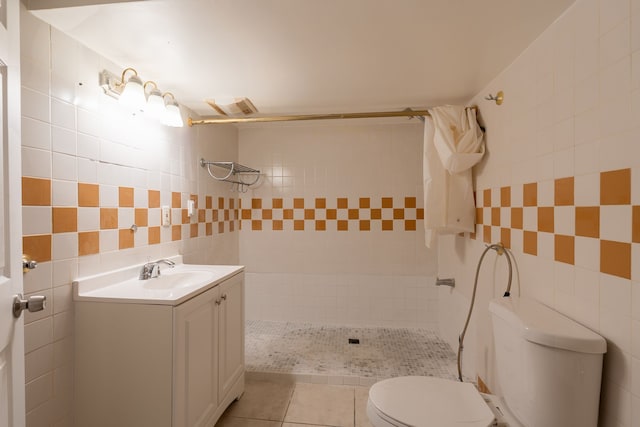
(324, 351)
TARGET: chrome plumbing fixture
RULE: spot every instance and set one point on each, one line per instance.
(152, 269)
(446, 282)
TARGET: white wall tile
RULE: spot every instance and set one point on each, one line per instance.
(63, 114)
(63, 140)
(64, 167)
(36, 134)
(64, 245)
(64, 193)
(587, 190)
(35, 105)
(615, 223)
(38, 334)
(36, 163)
(612, 12)
(88, 219)
(36, 220)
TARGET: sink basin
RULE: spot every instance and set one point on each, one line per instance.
(180, 279)
(172, 287)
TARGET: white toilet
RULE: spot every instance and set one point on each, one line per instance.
(549, 369)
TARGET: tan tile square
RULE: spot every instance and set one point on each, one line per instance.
(420, 213)
(486, 233)
(398, 214)
(232, 203)
(263, 400)
(546, 219)
(246, 213)
(64, 220)
(409, 225)
(228, 421)
(635, 225)
(563, 191)
(185, 216)
(530, 194)
(615, 258)
(343, 203)
(564, 249)
(505, 237)
(588, 221)
(287, 213)
(298, 203)
(309, 214)
(365, 225)
(276, 203)
(141, 216)
(176, 199)
(615, 187)
(321, 225)
(176, 232)
(125, 238)
(277, 225)
(256, 203)
(193, 230)
(36, 192)
(38, 248)
(354, 213)
(88, 195)
(208, 201)
(479, 215)
(215, 215)
(125, 197)
(209, 229)
(410, 202)
(376, 213)
(362, 396)
(321, 203)
(220, 202)
(153, 198)
(256, 225)
(298, 225)
(364, 203)
(153, 235)
(332, 213)
(108, 218)
(194, 198)
(516, 218)
(322, 404)
(267, 214)
(343, 225)
(387, 202)
(505, 197)
(387, 225)
(89, 243)
(530, 242)
(202, 215)
(495, 216)
(221, 228)
(486, 198)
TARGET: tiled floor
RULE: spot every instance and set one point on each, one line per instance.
(314, 350)
(281, 404)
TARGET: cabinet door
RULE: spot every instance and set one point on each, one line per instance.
(231, 363)
(196, 360)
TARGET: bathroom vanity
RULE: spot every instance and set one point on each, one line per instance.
(166, 351)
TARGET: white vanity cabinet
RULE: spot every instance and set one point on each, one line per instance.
(154, 365)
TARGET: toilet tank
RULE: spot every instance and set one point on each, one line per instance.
(549, 367)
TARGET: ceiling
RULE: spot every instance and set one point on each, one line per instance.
(309, 56)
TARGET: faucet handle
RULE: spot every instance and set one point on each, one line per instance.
(155, 270)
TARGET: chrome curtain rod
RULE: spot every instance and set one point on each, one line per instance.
(289, 118)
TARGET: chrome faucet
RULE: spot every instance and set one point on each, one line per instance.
(152, 269)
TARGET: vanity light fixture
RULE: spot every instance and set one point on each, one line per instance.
(134, 95)
(172, 116)
(155, 102)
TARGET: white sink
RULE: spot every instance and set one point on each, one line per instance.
(172, 279)
(173, 286)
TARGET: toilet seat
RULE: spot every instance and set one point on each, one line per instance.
(427, 401)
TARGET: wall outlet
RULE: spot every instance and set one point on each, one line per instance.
(191, 207)
(166, 216)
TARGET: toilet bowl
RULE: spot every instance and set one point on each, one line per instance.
(549, 371)
(437, 402)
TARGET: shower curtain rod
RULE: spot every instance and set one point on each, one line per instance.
(289, 118)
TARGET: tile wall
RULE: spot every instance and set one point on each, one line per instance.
(333, 231)
(560, 185)
(90, 171)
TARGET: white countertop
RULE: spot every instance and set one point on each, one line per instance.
(174, 286)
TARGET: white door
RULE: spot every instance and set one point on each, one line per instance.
(12, 406)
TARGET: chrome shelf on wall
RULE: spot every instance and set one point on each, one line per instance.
(235, 174)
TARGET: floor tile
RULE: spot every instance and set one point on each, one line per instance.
(321, 404)
(362, 396)
(227, 421)
(262, 400)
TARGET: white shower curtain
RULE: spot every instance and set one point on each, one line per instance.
(453, 143)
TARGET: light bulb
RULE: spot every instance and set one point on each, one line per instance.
(173, 116)
(133, 96)
(155, 105)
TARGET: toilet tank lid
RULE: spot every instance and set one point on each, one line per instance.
(542, 325)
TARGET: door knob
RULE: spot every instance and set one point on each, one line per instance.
(33, 303)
